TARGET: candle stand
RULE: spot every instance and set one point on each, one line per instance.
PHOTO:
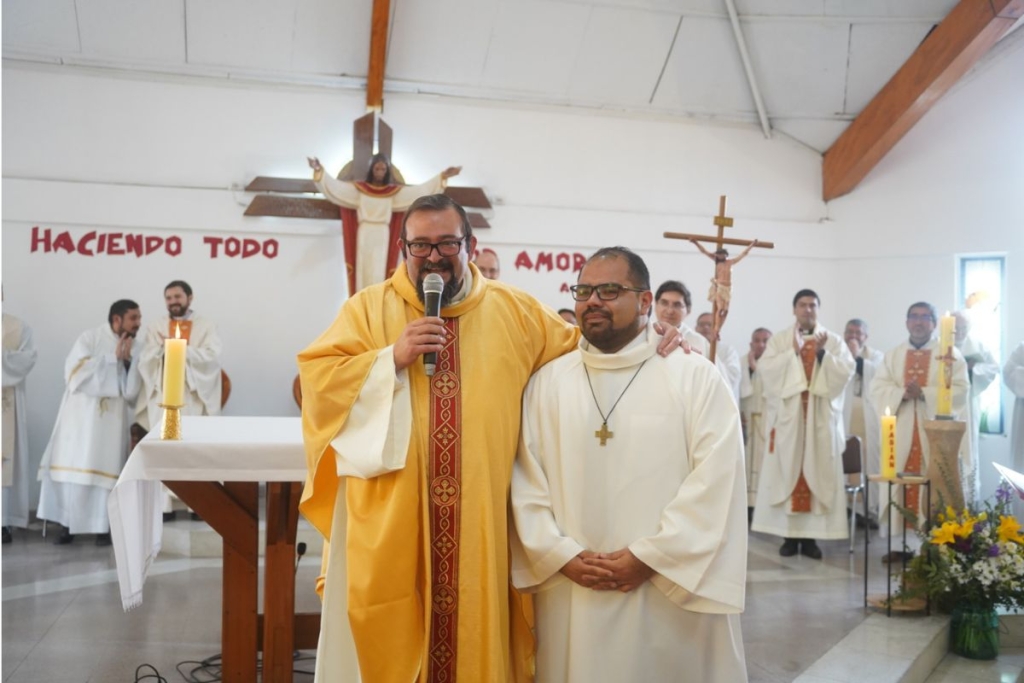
(170, 430)
(905, 481)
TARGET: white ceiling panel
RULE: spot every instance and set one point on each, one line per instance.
(440, 41)
(780, 8)
(800, 66)
(818, 134)
(877, 51)
(254, 34)
(622, 56)
(332, 37)
(895, 9)
(40, 25)
(704, 73)
(535, 45)
(675, 7)
(152, 31)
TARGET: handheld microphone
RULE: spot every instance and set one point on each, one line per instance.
(433, 285)
(300, 550)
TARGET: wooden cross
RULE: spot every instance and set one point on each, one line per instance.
(723, 266)
(285, 196)
(603, 433)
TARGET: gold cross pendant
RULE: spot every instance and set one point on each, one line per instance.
(603, 433)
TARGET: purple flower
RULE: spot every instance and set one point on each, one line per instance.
(1004, 493)
(993, 551)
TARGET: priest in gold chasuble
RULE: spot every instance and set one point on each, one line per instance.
(420, 560)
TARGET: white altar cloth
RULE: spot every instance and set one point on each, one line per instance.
(211, 449)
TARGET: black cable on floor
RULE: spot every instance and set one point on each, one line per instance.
(211, 668)
(155, 676)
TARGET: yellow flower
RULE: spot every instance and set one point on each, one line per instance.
(965, 529)
(950, 512)
(983, 516)
(940, 517)
(945, 533)
(1009, 529)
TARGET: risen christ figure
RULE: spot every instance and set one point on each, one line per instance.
(371, 216)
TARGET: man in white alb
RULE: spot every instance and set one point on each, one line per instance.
(982, 370)
(801, 496)
(1013, 375)
(671, 306)
(860, 418)
(752, 413)
(89, 443)
(202, 363)
(635, 550)
(19, 359)
(727, 359)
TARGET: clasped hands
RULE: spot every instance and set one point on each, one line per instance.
(617, 571)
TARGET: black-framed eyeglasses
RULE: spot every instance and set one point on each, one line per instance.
(606, 291)
(444, 248)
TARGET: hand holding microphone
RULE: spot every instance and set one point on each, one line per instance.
(423, 337)
(433, 285)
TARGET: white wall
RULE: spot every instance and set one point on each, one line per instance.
(84, 150)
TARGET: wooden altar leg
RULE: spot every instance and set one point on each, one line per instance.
(241, 586)
(232, 510)
(279, 581)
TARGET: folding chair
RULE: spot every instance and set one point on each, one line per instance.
(855, 481)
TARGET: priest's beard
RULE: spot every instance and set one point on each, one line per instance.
(602, 333)
(451, 287)
(177, 310)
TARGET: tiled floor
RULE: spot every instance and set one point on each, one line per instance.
(62, 619)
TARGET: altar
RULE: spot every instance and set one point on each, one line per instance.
(216, 469)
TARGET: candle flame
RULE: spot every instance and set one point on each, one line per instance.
(887, 413)
(177, 331)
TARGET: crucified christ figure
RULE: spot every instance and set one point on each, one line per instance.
(721, 283)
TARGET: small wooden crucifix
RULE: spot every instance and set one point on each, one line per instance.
(721, 284)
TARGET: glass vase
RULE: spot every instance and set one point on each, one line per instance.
(974, 632)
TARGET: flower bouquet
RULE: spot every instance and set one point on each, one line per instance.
(971, 562)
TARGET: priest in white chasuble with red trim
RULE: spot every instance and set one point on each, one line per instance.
(805, 369)
(633, 546)
(409, 474)
(907, 382)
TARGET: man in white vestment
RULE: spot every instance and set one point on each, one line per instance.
(727, 359)
(635, 552)
(1013, 376)
(89, 443)
(752, 413)
(982, 370)
(19, 359)
(672, 303)
(800, 496)
(202, 363)
(906, 382)
(860, 418)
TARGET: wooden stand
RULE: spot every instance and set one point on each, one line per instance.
(887, 602)
(944, 437)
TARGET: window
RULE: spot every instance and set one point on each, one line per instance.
(980, 289)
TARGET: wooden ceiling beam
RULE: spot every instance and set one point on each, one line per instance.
(378, 55)
(946, 54)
